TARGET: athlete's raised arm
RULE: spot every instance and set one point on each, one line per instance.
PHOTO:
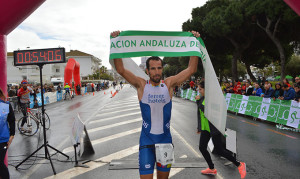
(176, 80)
(129, 76)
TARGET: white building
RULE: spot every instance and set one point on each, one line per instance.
(89, 64)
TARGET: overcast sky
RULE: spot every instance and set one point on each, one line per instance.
(85, 25)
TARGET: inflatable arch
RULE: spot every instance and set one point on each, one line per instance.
(72, 70)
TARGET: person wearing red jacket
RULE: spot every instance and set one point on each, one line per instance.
(237, 87)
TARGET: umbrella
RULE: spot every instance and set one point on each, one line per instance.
(288, 77)
(277, 77)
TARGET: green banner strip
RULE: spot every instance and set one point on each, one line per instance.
(278, 111)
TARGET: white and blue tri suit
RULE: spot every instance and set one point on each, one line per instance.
(156, 105)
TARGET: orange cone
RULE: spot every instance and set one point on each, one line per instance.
(104, 92)
(110, 92)
(93, 93)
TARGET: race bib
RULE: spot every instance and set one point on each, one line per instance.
(164, 153)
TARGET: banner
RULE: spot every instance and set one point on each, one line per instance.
(286, 112)
(172, 44)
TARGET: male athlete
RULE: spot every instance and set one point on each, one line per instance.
(155, 97)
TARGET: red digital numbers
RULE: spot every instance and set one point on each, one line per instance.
(57, 56)
(35, 58)
(50, 58)
(39, 56)
(43, 54)
(20, 57)
(27, 57)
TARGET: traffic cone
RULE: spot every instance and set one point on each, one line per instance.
(104, 92)
(110, 92)
(93, 93)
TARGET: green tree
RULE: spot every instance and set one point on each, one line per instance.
(226, 22)
(293, 66)
(280, 24)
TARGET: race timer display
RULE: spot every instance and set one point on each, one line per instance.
(39, 56)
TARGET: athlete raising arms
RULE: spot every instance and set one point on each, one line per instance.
(155, 97)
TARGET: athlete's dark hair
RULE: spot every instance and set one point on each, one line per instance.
(201, 84)
(153, 58)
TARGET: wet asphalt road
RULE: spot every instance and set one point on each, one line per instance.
(114, 129)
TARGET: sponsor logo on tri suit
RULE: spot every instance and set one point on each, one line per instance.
(148, 166)
(156, 98)
(145, 124)
(168, 125)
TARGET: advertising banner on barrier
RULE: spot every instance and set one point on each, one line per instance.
(284, 112)
(273, 110)
(243, 105)
(294, 115)
(264, 109)
(59, 96)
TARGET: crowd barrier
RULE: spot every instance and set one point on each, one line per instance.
(285, 112)
(49, 97)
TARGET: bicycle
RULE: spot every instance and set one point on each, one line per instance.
(67, 96)
(33, 122)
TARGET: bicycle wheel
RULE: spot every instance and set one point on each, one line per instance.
(47, 121)
(29, 128)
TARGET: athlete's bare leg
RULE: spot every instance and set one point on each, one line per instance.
(162, 175)
(149, 176)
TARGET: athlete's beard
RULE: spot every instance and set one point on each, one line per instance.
(157, 80)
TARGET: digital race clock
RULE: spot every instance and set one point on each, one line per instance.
(39, 56)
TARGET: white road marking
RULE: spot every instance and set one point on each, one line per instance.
(186, 143)
(114, 125)
(219, 176)
(121, 107)
(108, 138)
(117, 111)
(114, 117)
(113, 105)
(93, 165)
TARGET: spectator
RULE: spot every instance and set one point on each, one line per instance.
(257, 90)
(286, 81)
(45, 88)
(224, 89)
(259, 81)
(268, 91)
(238, 87)
(297, 90)
(278, 91)
(297, 80)
(78, 89)
(244, 86)
(7, 128)
(249, 89)
(192, 84)
(58, 88)
(231, 87)
(185, 85)
(289, 93)
(263, 80)
(35, 92)
(12, 92)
